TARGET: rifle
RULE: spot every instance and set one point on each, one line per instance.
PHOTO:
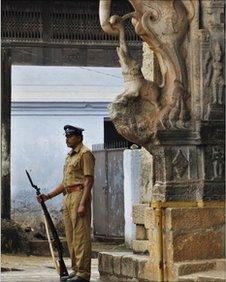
(56, 240)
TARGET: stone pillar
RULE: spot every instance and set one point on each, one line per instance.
(5, 131)
(179, 119)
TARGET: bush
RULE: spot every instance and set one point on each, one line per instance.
(13, 238)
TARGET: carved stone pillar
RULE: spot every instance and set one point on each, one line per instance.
(179, 119)
(5, 132)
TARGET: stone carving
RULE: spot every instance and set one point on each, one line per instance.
(214, 17)
(217, 76)
(146, 106)
(207, 68)
(218, 162)
(214, 77)
(180, 163)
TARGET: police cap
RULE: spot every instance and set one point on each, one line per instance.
(70, 130)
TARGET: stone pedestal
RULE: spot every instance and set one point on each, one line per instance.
(189, 235)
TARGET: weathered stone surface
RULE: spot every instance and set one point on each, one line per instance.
(149, 219)
(105, 263)
(208, 276)
(143, 271)
(221, 264)
(146, 176)
(187, 279)
(129, 266)
(194, 218)
(140, 232)
(117, 264)
(140, 246)
(139, 213)
(213, 276)
(188, 267)
(197, 245)
(126, 267)
(188, 233)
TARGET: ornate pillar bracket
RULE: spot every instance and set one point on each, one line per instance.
(170, 116)
(147, 106)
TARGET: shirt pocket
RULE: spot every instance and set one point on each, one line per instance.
(75, 166)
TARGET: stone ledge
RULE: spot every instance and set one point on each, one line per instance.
(140, 246)
(123, 266)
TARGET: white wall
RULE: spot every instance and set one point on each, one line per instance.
(132, 183)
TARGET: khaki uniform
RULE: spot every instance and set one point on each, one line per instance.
(78, 164)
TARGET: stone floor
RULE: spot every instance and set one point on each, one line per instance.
(17, 268)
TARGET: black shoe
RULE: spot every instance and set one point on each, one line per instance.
(65, 278)
(77, 279)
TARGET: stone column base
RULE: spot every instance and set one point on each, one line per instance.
(189, 234)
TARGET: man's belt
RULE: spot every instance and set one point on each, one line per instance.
(74, 188)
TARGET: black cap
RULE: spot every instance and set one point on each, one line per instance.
(70, 130)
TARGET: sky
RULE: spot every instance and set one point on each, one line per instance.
(65, 84)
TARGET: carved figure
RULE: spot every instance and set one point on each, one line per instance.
(135, 83)
(218, 163)
(217, 78)
(163, 25)
(139, 93)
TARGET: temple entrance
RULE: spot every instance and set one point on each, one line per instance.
(51, 33)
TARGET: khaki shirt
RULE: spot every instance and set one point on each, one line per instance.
(78, 164)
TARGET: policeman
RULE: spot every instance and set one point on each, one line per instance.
(76, 185)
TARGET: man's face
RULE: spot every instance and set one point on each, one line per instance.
(73, 140)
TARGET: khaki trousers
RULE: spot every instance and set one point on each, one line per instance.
(78, 235)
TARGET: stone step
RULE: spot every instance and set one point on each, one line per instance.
(207, 276)
(127, 266)
(123, 266)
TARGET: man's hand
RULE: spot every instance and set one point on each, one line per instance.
(42, 197)
(81, 210)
